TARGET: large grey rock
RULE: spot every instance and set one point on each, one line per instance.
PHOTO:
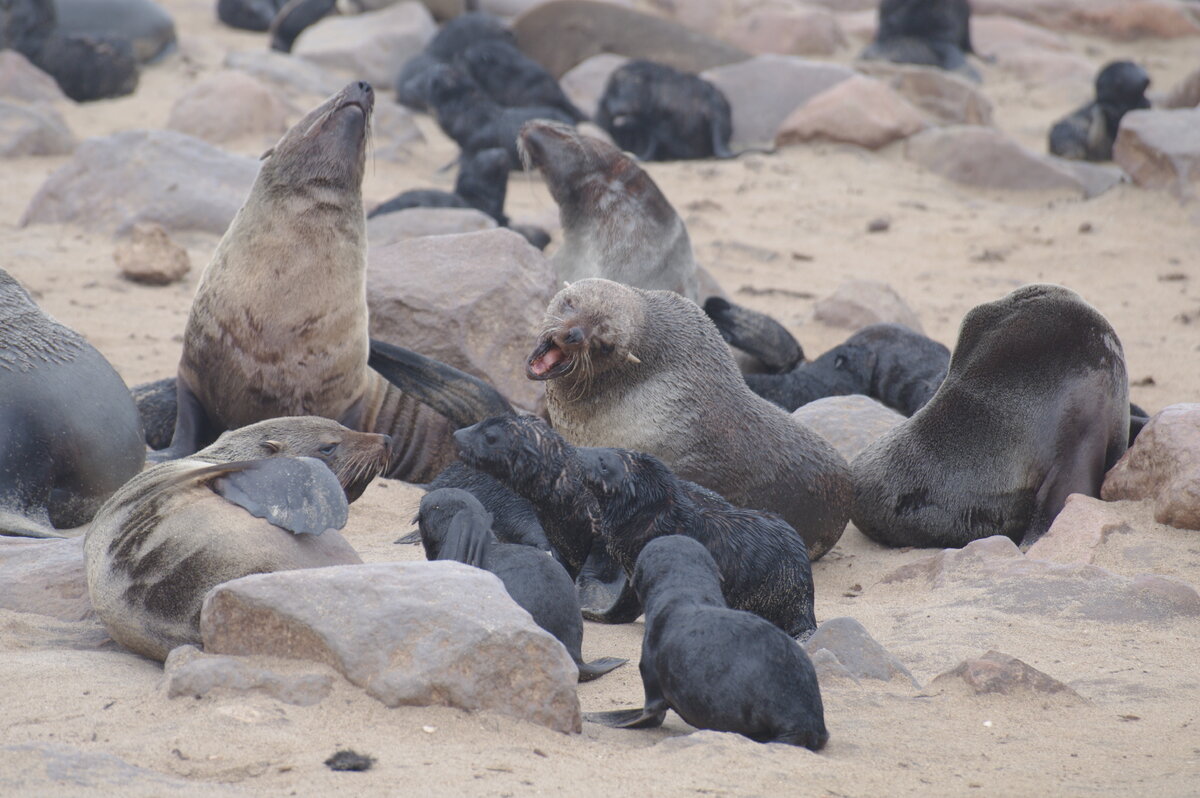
(858, 652)
(114, 182)
(292, 74)
(1163, 466)
(584, 83)
(1116, 19)
(475, 301)
(371, 46)
(388, 228)
(33, 130)
(861, 111)
(995, 673)
(763, 90)
(1161, 149)
(407, 633)
(947, 98)
(229, 105)
(21, 80)
(41, 768)
(45, 577)
(188, 672)
(859, 303)
(849, 423)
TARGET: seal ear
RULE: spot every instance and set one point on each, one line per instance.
(274, 447)
(299, 494)
(267, 154)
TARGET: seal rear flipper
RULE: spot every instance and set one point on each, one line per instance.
(625, 609)
(410, 539)
(646, 718)
(598, 667)
(465, 542)
(461, 398)
(299, 494)
(756, 334)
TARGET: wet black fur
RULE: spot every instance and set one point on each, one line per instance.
(514, 519)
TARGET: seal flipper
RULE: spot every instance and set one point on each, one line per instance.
(756, 334)
(600, 581)
(299, 494)
(647, 718)
(19, 526)
(465, 542)
(625, 609)
(461, 398)
(193, 429)
(598, 667)
(412, 538)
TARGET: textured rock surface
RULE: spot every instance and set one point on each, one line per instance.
(947, 98)
(188, 672)
(229, 105)
(1161, 149)
(371, 46)
(860, 111)
(849, 423)
(858, 652)
(45, 577)
(388, 228)
(1079, 531)
(858, 303)
(995, 673)
(1163, 466)
(407, 633)
(33, 130)
(150, 256)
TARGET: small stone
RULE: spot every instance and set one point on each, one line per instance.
(857, 652)
(830, 671)
(858, 303)
(150, 257)
(347, 760)
(861, 111)
(1163, 466)
(995, 673)
(881, 225)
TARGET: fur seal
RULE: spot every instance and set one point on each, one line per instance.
(454, 526)
(718, 668)
(756, 334)
(412, 86)
(616, 222)
(278, 326)
(647, 370)
(70, 434)
(267, 497)
(512, 78)
(925, 32)
(1088, 132)
(1035, 406)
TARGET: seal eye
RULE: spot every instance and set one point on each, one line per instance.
(274, 447)
(328, 449)
(491, 438)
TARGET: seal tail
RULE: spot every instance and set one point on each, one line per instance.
(598, 667)
(628, 718)
(756, 334)
(461, 398)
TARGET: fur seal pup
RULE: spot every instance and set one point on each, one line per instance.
(1088, 132)
(70, 434)
(267, 497)
(718, 668)
(278, 326)
(616, 222)
(756, 334)
(512, 78)
(412, 86)
(294, 17)
(1035, 406)
(454, 526)
(647, 370)
(925, 32)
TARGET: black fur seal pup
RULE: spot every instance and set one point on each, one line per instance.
(267, 497)
(1088, 133)
(661, 114)
(512, 78)
(454, 526)
(412, 86)
(294, 17)
(756, 334)
(70, 434)
(924, 32)
(1034, 407)
(718, 668)
(648, 371)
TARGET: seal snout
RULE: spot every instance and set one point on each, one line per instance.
(555, 353)
(358, 95)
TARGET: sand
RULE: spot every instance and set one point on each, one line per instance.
(779, 232)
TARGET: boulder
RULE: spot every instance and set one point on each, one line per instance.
(371, 46)
(858, 303)
(584, 83)
(993, 36)
(1073, 74)
(849, 423)
(45, 577)
(1161, 149)
(33, 130)
(149, 256)
(227, 106)
(418, 634)
(1184, 94)
(947, 98)
(763, 90)
(1163, 466)
(1117, 19)
(1079, 531)
(388, 228)
(787, 31)
(830, 670)
(475, 301)
(285, 71)
(995, 673)
(861, 111)
(21, 80)
(857, 651)
(394, 133)
(114, 182)
(190, 673)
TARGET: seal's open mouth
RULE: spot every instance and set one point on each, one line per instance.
(548, 361)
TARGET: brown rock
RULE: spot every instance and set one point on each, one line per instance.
(1116, 19)
(858, 303)
(1163, 465)
(1048, 67)
(45, 577)
(149, 256)
(1185, 93)
(999, 674)
(947, 98)
(849, 423)
(788, 31)
(1079, 531)
(860, 111)
(830, 670)
(188, 672)
(21, 80)
(1161, 149)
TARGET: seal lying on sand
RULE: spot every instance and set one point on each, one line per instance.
(718, 668)
(1035, 406)
(70, 434)
(267, 497)
(454, 526)
(647, 370)
(1088, 133)
(926, 32)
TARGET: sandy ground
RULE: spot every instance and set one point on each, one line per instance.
(779, 231)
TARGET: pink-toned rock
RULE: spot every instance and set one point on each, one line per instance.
(788, 31)
(849, 423)
(1000, 674)
(1116, 19)
(229, 105)
(993, 36)
(1042, 67)
(1163, 465)
(1185, 93)
(947, 98)
(33, 130)
(45, 577)
(1161, 149)
(858, 303)
(1079, 531)
(21, 80)
(149, 256)
(860, 111)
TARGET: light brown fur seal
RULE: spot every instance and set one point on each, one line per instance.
(267, 497)
(647, 370)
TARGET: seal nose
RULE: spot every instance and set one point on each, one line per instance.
(574, 336)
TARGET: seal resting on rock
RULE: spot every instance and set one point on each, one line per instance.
(719, 668)
(70, 434)
(924, 32)
(267, 497)
(648, 371)
(1088, 133)
(454, 526)
(1034, 407)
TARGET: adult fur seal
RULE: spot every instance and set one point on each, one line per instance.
(926, 32)
(647, 370)
(454, 526)
(1035, 406)
(718, 668)
(1088, 133)
(70, 434)
(267, 497)
(616, 222)
(278, 326)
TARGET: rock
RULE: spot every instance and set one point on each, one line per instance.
(229, 105)
(1075, 74)
(414, 634)
(992, 573)
(847, 6)
(999, 674)
(860, 111)
(33, 130)
(149, 256)
(41, 768)
(114, 182)
(45, 577)
(191, 673)
(763, 90)
(402, 225)
(849, 423)
(830, 671)
(1163, 466)
(286, 71)
(371, 46)
(1116, 19)
(1161, 149)
(21, 80)
(394, 133)
(788, 31)
(1185, 93)
(993, 36)
(857, 651)
(947, 98)
(858, 303)
(144, 24)
(584, 83)
(1079, 530)
(474, 301)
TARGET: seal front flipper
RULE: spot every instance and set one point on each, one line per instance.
(598, 667)
(756, 334)
(193, 428)
(625, 609)
(600, 581)
(647, 718)
(466, 542)
(461, 398)
(299, 494)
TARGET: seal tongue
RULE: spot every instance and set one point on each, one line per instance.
(547, 361)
